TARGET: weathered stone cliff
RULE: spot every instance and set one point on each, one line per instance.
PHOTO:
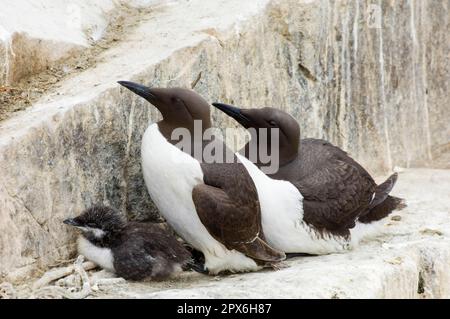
(370, 76)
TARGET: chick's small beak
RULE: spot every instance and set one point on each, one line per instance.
(71, 222)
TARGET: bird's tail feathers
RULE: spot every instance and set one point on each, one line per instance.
(383, 190)
(382, 210)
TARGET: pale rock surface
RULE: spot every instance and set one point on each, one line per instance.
(36, 34)
(380, 93)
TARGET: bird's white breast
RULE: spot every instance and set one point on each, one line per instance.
(170, 176)
(282, 217)
(101, 256)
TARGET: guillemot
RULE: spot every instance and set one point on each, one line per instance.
(324, 192)
(132, 250)
(213, 206)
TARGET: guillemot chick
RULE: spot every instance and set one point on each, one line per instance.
(330, 193)
(213, 205)
(132, 250)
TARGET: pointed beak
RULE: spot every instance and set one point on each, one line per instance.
(72, 222)
(139, 89)
(235, 113)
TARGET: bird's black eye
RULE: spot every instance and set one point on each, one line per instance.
(273, 123)
(176, 100)
(91, 225)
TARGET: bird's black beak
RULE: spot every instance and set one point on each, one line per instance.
(139, 89)
(72, 222)
(235, 113)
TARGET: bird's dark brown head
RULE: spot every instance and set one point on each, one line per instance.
(268, 118)
(98, 223)
(179, 106)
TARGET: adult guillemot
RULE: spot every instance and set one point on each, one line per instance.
(333, 192)
(131, 250)
(214, 207)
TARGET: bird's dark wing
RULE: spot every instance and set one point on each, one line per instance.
(148, 251)
(228, 206)
(336, 189)
(160, 242)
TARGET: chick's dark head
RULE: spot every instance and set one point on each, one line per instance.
(98, 221)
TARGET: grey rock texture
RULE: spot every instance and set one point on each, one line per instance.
(375, 85)
(41, 34)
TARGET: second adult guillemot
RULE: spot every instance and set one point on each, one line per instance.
(212, 206)
(319, 193)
